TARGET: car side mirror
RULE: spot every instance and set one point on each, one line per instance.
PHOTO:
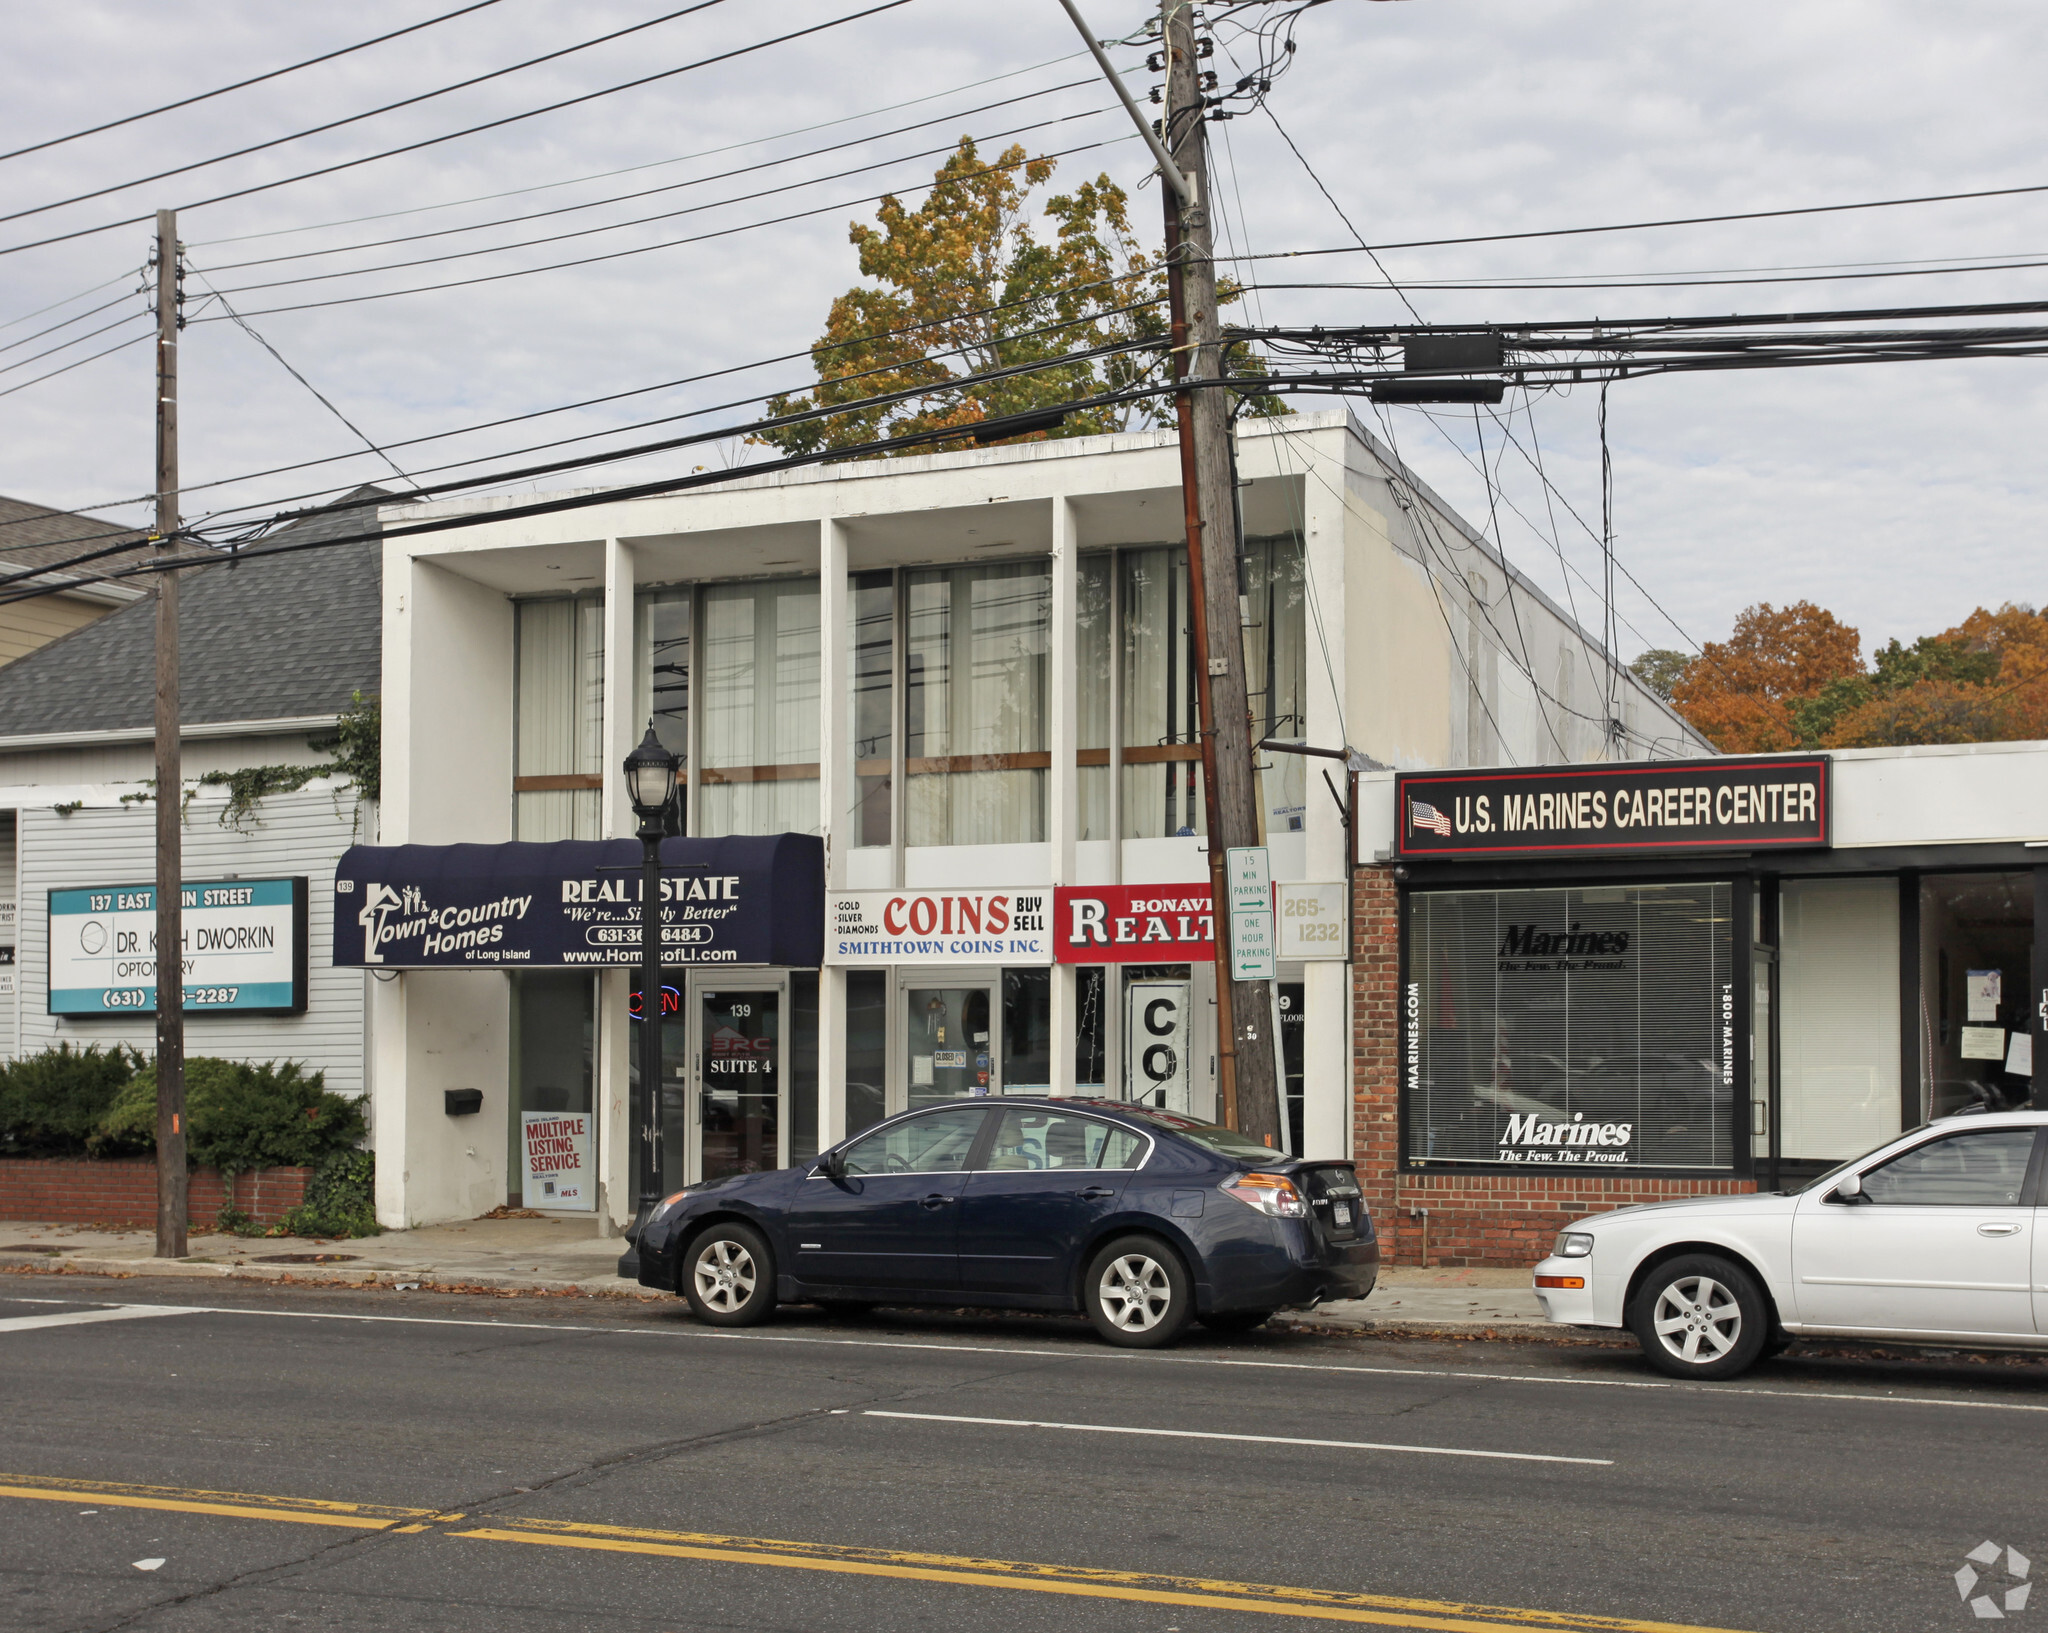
(832, 1165)
(1849, 1188)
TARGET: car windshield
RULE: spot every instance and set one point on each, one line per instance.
(1225, 1142)
(1835, 1172)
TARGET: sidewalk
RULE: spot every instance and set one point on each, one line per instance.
(564, 1254)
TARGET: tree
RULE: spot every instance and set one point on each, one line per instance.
(1741, 692)
(967, 273)
(1660, 669)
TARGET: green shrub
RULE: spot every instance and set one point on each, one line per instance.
(240, 1117)
(52, 1103)
(341, 1199)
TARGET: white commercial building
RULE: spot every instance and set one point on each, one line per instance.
(968, 674)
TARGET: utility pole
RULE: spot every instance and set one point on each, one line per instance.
(171, 1198)
(1246, 1076)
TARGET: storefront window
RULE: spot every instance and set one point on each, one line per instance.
(1838, 1028)
(758, 735)
(1272, 574)
(1976, 948)
(975, 709)
(553, 1016)
(872, 657)
(1027, 1031)
(1293, 1063)
(661, 676)
(1161, 751)
(1587, 1028)
(1094, 609)
(559, 696)
(1091, 1029)
(867, 1048)
(803, 1065)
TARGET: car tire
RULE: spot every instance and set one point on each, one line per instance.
(1701, 1316)
(1235, 1320)
(1137, 1293)
(728, 1275)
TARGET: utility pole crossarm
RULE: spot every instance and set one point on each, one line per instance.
(1180, 181)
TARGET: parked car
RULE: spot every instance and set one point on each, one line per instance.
(1140, 1218)
(1937, 1236)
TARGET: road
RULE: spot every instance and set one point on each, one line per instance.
(325, 1458)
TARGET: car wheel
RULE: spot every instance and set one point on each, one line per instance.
(1235, 1320)
(1137, 1293)
(729, 1276)
(1700, 1316)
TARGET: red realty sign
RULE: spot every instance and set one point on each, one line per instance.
(1133, 924)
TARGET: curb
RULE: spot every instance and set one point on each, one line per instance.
(489, 1282)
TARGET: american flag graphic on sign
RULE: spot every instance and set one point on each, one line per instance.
(1428, 816)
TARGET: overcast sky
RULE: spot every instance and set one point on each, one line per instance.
(1899, 496)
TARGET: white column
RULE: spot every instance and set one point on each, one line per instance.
(612, 1101)
(831, 1056)
(385, 1001)
(1329, 719)
(1063, 791)
(835, 725)
(1326, 1060)
(622, 725)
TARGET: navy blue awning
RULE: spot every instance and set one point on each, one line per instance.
(575, 904)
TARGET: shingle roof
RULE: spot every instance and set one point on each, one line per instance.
(36, 536)
(280, 638)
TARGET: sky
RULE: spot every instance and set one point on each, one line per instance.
(1899, 496)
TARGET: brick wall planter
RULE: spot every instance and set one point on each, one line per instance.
(1474, 1218)
(122, 1191)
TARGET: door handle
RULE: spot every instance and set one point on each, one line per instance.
(935, 1200)
(1998, 1230)
(1095, 1193)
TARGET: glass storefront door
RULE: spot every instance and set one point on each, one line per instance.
(949, 1039)
(739, 1080)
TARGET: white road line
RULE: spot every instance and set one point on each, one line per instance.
(80, 1317)
(1262, 1440)
(1078, 1353)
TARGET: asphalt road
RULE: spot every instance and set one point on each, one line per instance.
(374, 1460)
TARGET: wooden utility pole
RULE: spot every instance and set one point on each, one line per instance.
(171, 1198)
(1246, 1078)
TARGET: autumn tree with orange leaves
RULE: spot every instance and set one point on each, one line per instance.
(969, 283)
(1794, 678)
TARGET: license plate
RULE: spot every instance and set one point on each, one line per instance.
(1341, 1212)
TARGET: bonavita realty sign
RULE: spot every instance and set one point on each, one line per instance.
(245, 948)
(1766, 802)
(577, 903)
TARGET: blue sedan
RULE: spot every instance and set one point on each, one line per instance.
(1142, 1219)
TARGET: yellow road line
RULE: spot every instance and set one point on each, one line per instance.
(1316, 1604)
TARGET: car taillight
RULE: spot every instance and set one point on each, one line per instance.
(1270, 1193)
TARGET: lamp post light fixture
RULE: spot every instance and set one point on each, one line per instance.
(650, 785)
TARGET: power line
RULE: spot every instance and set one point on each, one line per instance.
(618, 255)
(68, 367)
(75, 340)
(243, 84)
(641, 221)
(472, 130)
(357, 118)
(656, 164)
(696, 181)
(68, 299)
(65, 323)
(1490, 287)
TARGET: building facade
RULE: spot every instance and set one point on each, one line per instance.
(1579, 988)
(968, 675)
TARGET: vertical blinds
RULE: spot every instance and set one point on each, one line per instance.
(1590, 1027)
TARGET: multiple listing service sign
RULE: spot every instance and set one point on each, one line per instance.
(245, 948)
(1768, 802)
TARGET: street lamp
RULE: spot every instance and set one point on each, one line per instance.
(650, 784)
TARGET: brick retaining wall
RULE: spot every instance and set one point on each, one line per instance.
(122, 1191)
(1474, 1218)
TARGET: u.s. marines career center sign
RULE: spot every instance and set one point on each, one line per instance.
(576, 904)
(245, 948)
(1766, 802)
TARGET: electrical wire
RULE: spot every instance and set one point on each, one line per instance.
(65, 323)
(68, 367)
(665, 215)
(244, 84)
(75, 340)
(699, 181)
(641, 249)
(655, 164)
(358, 118)
(471, 130)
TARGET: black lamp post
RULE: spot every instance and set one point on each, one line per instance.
(650, 783)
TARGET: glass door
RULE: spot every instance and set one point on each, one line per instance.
(740, 1072)
(949, 1040)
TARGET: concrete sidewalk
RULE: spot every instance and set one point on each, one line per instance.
(564, 1254)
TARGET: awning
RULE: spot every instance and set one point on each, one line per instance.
(575, 904)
